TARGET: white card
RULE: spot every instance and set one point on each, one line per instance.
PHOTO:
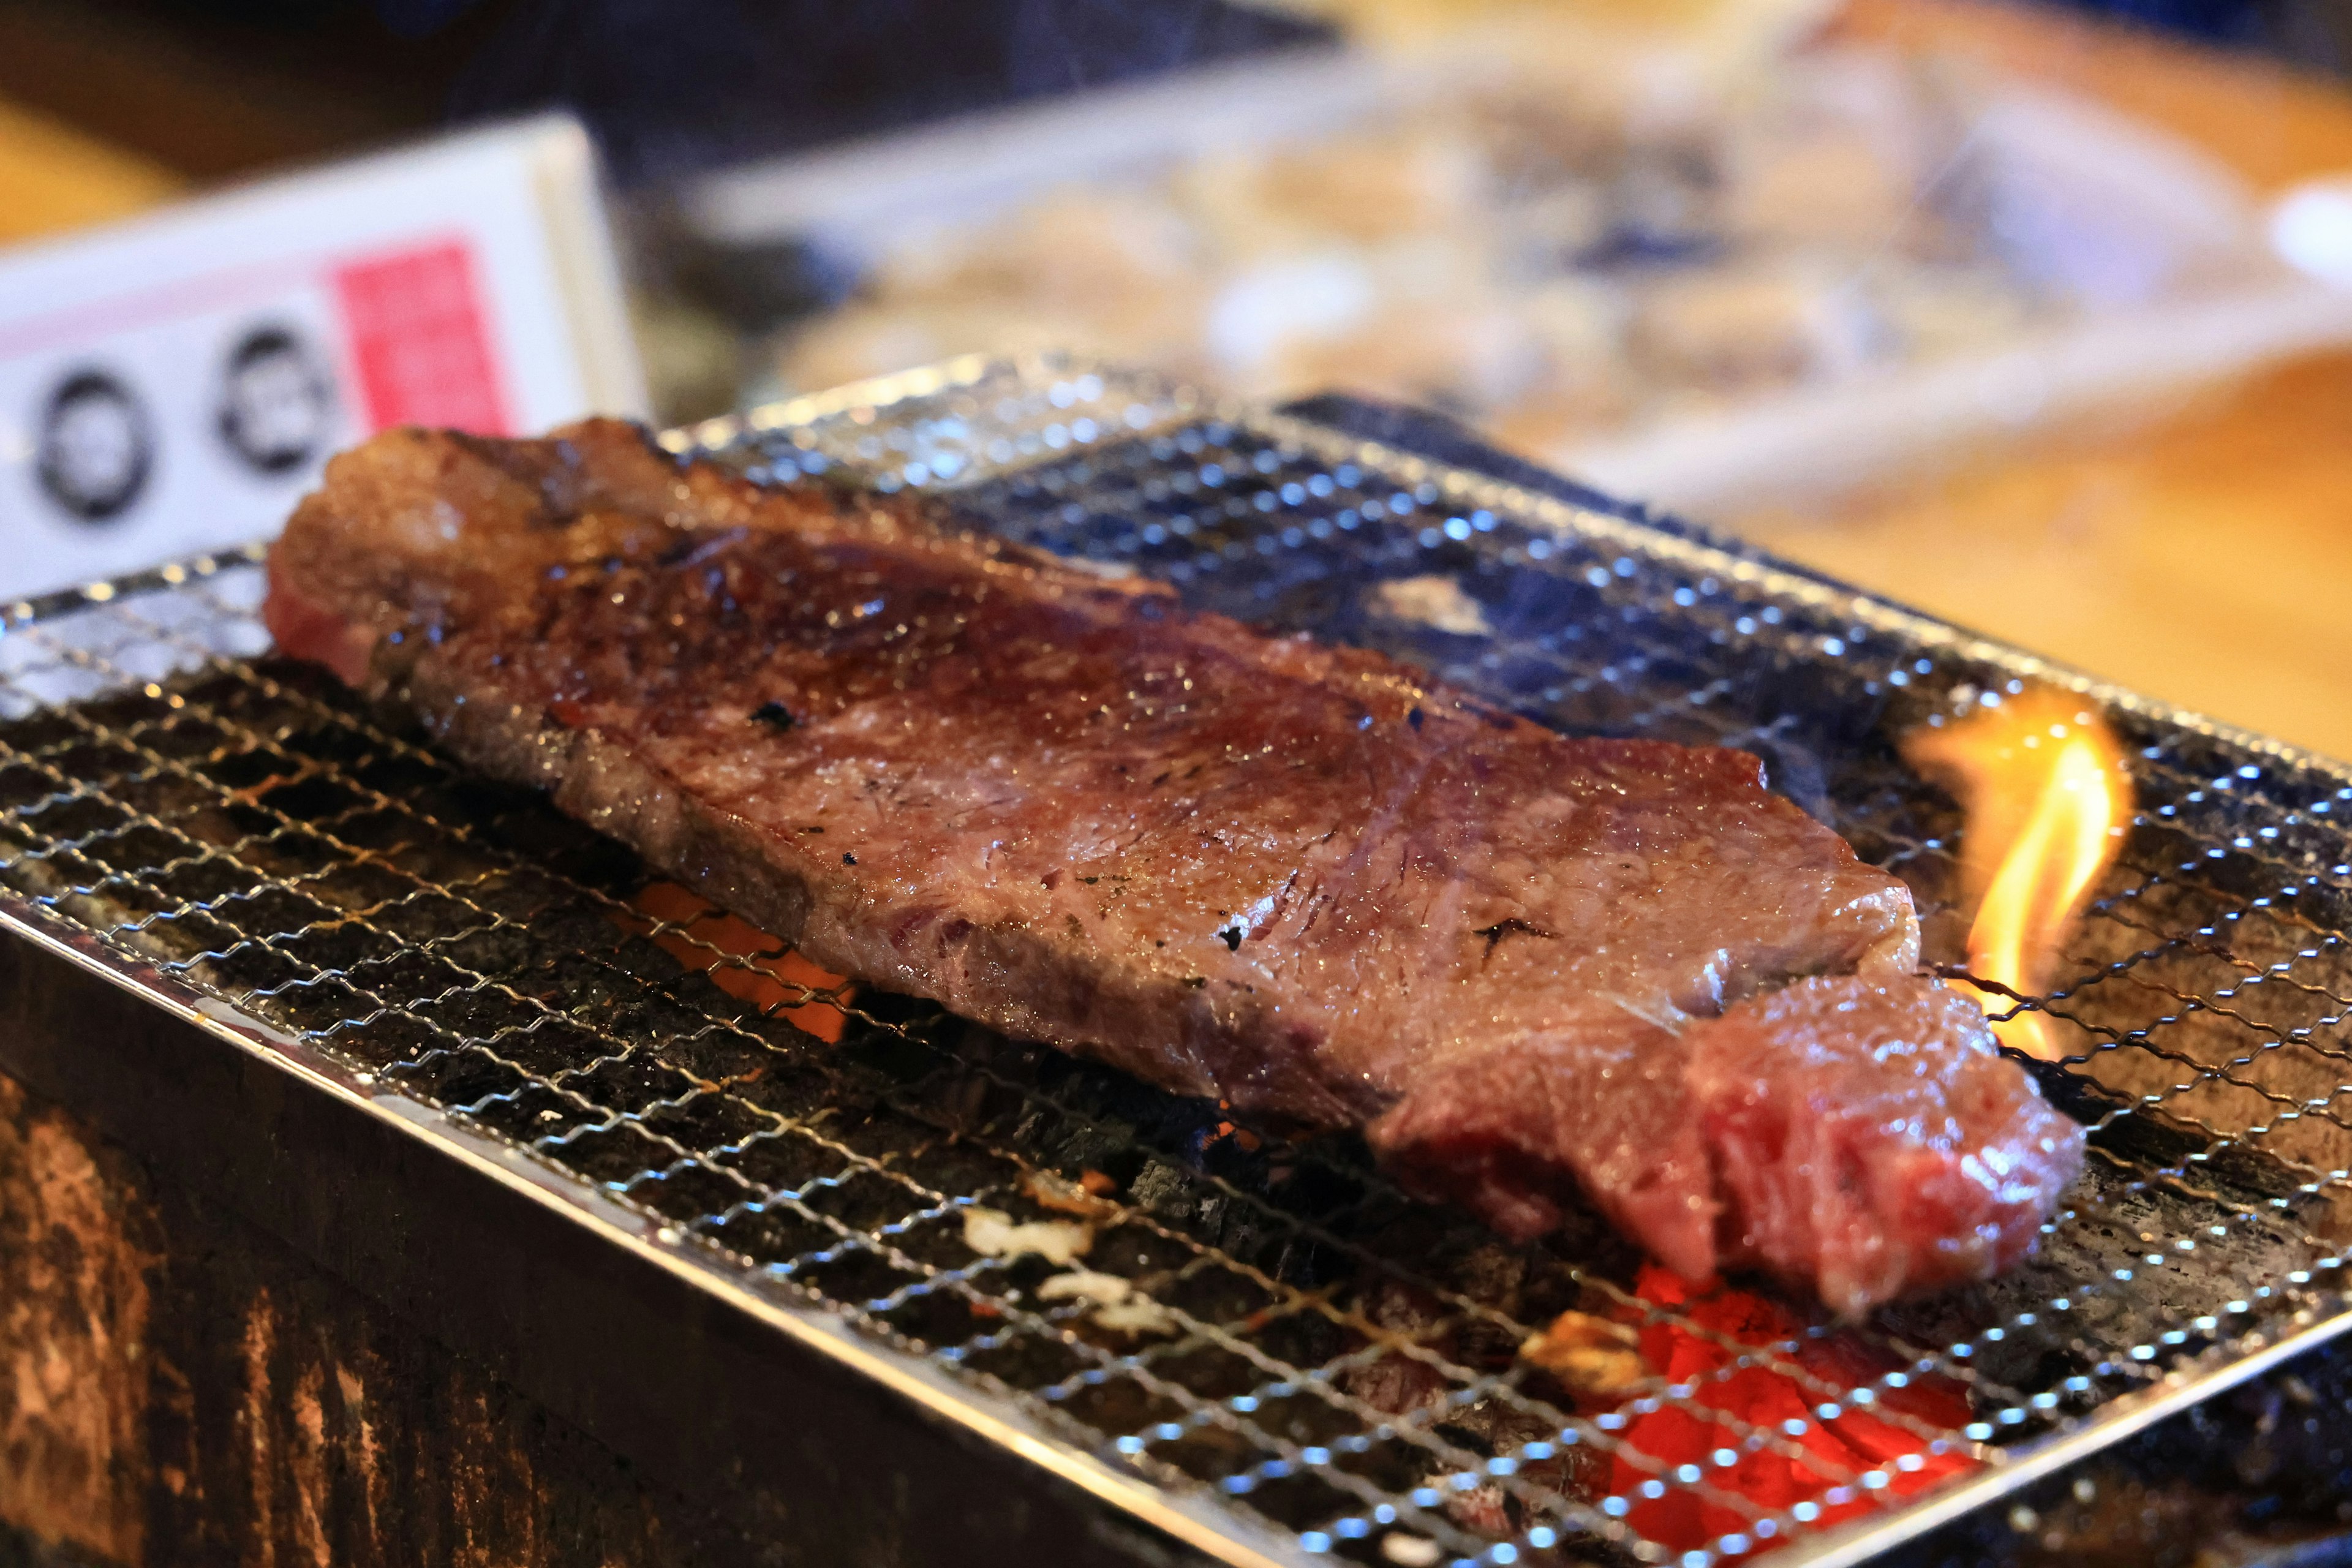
(174, 384)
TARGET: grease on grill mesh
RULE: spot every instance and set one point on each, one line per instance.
(1331, 1357)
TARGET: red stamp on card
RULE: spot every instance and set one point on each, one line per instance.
(420, 344)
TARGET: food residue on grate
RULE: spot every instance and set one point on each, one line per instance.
(1086, 1197)
(1590, 1355)
(1139, 1317)
(1411, 1551)
(1436, 601)
(996, 1234)
(1118, 1304)
(1085, 1285)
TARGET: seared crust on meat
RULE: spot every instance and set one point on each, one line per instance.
(1303, 878)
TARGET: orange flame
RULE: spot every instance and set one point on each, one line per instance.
(2042, 781)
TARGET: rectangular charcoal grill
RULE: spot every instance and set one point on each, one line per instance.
(236, 841)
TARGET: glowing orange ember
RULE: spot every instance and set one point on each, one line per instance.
(770, 976)
(1778, 1426)
(2043, 783)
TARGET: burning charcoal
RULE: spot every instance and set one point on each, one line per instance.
(1686, 1346)
(1393, 1383)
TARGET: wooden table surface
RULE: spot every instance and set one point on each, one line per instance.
(2203, 556)
(53, 178)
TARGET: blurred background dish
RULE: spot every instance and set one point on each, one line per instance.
(1707, 277)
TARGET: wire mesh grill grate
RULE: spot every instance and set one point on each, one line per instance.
(1275, 1325)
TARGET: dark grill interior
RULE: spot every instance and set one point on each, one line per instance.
(1275, 1325)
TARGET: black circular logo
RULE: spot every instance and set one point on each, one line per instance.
(97, 446)
(276, 403)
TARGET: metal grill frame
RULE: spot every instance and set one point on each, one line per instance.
(854, 428)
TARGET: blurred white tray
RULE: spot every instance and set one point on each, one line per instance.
(2164, 251)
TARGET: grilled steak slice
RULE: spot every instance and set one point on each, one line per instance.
(1303, 878)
